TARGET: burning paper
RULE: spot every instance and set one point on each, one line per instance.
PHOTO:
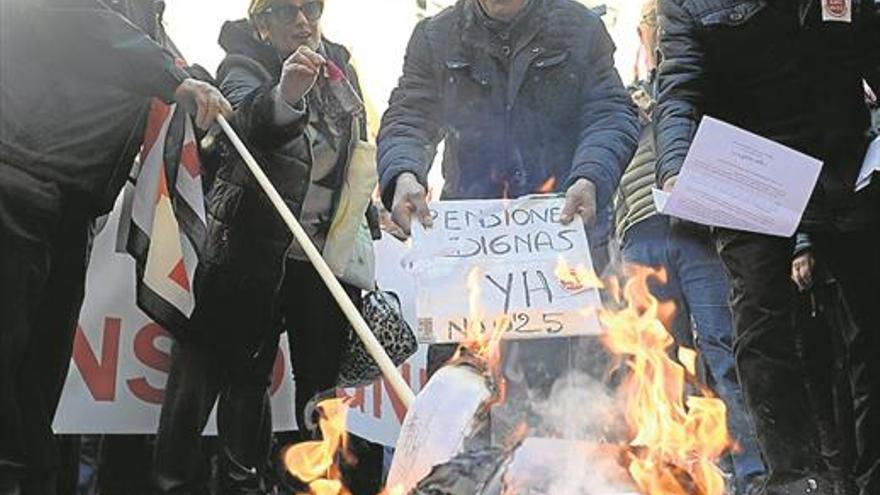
(444, 414)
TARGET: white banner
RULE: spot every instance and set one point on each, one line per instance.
(524, 270)
(121, 358)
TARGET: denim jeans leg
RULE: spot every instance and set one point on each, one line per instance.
(706, 290)
(645, 244)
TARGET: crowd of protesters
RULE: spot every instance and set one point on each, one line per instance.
(524, 93)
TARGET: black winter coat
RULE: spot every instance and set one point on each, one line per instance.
(556, 109)
(775, 68)
(75, 84)
(243, 266)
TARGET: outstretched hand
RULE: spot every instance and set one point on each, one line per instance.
(410, 199)
(580, 199)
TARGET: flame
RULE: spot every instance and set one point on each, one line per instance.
(315, 463)
(576, 279)
(675, 443)
(548, 186)
(688, 358)
(481, 343)
(486, 345)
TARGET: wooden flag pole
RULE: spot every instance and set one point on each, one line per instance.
(401, 388)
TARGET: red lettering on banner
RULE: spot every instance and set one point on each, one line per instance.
(358, 400)
(377, 388)
(277, 373)
(99, 377)
(149, 354)
(377, 399)
(399, 408)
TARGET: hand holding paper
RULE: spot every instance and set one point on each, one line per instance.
(735, 179)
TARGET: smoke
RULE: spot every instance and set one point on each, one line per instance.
(576, 454)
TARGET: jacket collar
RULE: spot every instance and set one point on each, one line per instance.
(479, 31)
(240, 38)
(497, 25)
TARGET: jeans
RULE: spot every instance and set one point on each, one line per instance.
(698, 286)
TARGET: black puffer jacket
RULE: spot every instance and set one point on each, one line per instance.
(774, 67)
(241, 272)
(516, 107)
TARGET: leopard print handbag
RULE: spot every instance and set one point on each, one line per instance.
(382, 312)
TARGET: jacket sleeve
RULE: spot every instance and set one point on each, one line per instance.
(90, 38)
(802, 243)
(609, 123)
(680, 88)
(411, 126)
(261, 116)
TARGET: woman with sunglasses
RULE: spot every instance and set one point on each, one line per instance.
(283, 78)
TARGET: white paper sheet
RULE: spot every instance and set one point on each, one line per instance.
(870, 165)
(735, 179)
(437, 425)
(510, 250)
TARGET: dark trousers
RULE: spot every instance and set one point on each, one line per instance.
(823, 317)
(854, 260)
(198, 377)
(123, 464)
(317, 332)
(771, 371)
(43, 255)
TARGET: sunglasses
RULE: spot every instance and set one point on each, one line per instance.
(289, 13)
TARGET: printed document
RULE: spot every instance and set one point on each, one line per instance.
(735, 179)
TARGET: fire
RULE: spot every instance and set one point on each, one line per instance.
(478, 341)
(315, 463)
(482, 344)
(576, 279)
(548, 186)
(675, 443)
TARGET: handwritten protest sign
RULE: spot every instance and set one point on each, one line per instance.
(509, 263)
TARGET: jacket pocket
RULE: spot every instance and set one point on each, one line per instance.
(551, 61)
(733, 15)
(465, 83)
